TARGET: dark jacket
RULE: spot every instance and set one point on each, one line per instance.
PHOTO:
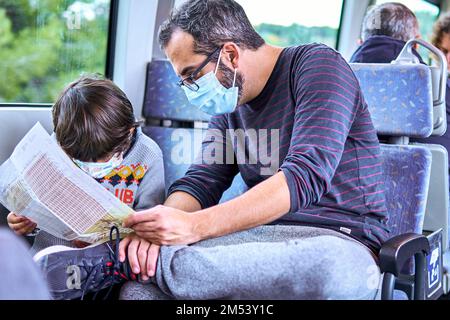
(384, 49)
(379, 49)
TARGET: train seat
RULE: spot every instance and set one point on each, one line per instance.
(164, 99)
(177, 160)
(165, 102)
(406, 101)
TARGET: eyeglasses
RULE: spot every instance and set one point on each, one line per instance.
(189, 82)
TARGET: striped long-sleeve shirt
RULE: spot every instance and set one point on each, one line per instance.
(313, 108)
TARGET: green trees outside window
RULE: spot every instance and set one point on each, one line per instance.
(45, 44)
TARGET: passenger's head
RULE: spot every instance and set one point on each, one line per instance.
(93, 120)
(390, 19)
(441, 35)
(198, 28)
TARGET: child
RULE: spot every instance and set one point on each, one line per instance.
(95, 126)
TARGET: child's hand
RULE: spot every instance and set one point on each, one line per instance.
(20, 225)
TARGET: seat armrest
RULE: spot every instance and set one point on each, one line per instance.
(396, 252)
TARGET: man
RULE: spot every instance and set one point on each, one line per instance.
(386, 29)
(310, 229)
(383, 43)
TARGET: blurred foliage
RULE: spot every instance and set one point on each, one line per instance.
(296, 35)
(45, 44)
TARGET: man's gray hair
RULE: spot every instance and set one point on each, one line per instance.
(390, 19)
(211, 23)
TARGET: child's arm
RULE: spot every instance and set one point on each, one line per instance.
(151, 191)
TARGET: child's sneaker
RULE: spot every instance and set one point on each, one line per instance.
(72, 273)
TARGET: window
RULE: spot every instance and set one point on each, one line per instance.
(295, 22)
(45, 44)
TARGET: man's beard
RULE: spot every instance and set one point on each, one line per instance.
(228, 76)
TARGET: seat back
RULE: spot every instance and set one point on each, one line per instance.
(180, 148)
(165, 102)
(400, 109)
(406, 100)
(406, 178)
(164, 99)
(399, 97)
(15, 123)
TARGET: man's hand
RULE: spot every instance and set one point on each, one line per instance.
(164, 226)
(20, 225)
(142, 255)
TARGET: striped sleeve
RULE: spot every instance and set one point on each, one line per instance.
(212, 173)
(327, 98)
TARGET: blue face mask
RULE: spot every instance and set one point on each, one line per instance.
(212, 97)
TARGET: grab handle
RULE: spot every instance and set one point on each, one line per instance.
(407, 56)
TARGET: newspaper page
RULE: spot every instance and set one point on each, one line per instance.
(41, 182)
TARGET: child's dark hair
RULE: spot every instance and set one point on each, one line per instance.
(92, 119)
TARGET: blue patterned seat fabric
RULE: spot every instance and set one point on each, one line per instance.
(164, 99)
(180, 148)
(399, 98)
(407, 177)
(407, 172)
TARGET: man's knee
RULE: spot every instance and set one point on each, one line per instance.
(342, 269)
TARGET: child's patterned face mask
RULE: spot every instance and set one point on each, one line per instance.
(98, 170)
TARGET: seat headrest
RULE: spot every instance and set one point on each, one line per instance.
(399, 96)
(164, 99)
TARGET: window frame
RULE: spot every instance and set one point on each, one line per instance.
(112, 36)
(109, 59)
(341, 21)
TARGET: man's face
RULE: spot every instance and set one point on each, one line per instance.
(445, 47)
(185, 61)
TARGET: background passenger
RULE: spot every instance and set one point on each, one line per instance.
(383, 42)
(95, 125)
(386, 29)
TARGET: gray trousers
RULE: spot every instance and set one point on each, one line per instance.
(269, 262)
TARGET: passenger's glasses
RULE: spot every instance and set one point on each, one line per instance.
(189, 82)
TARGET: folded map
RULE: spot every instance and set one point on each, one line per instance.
(41, 182)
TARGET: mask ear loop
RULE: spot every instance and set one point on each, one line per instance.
(217, 69)
(218, 62)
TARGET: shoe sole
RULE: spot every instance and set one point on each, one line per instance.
(50, 250)
(56, 249)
